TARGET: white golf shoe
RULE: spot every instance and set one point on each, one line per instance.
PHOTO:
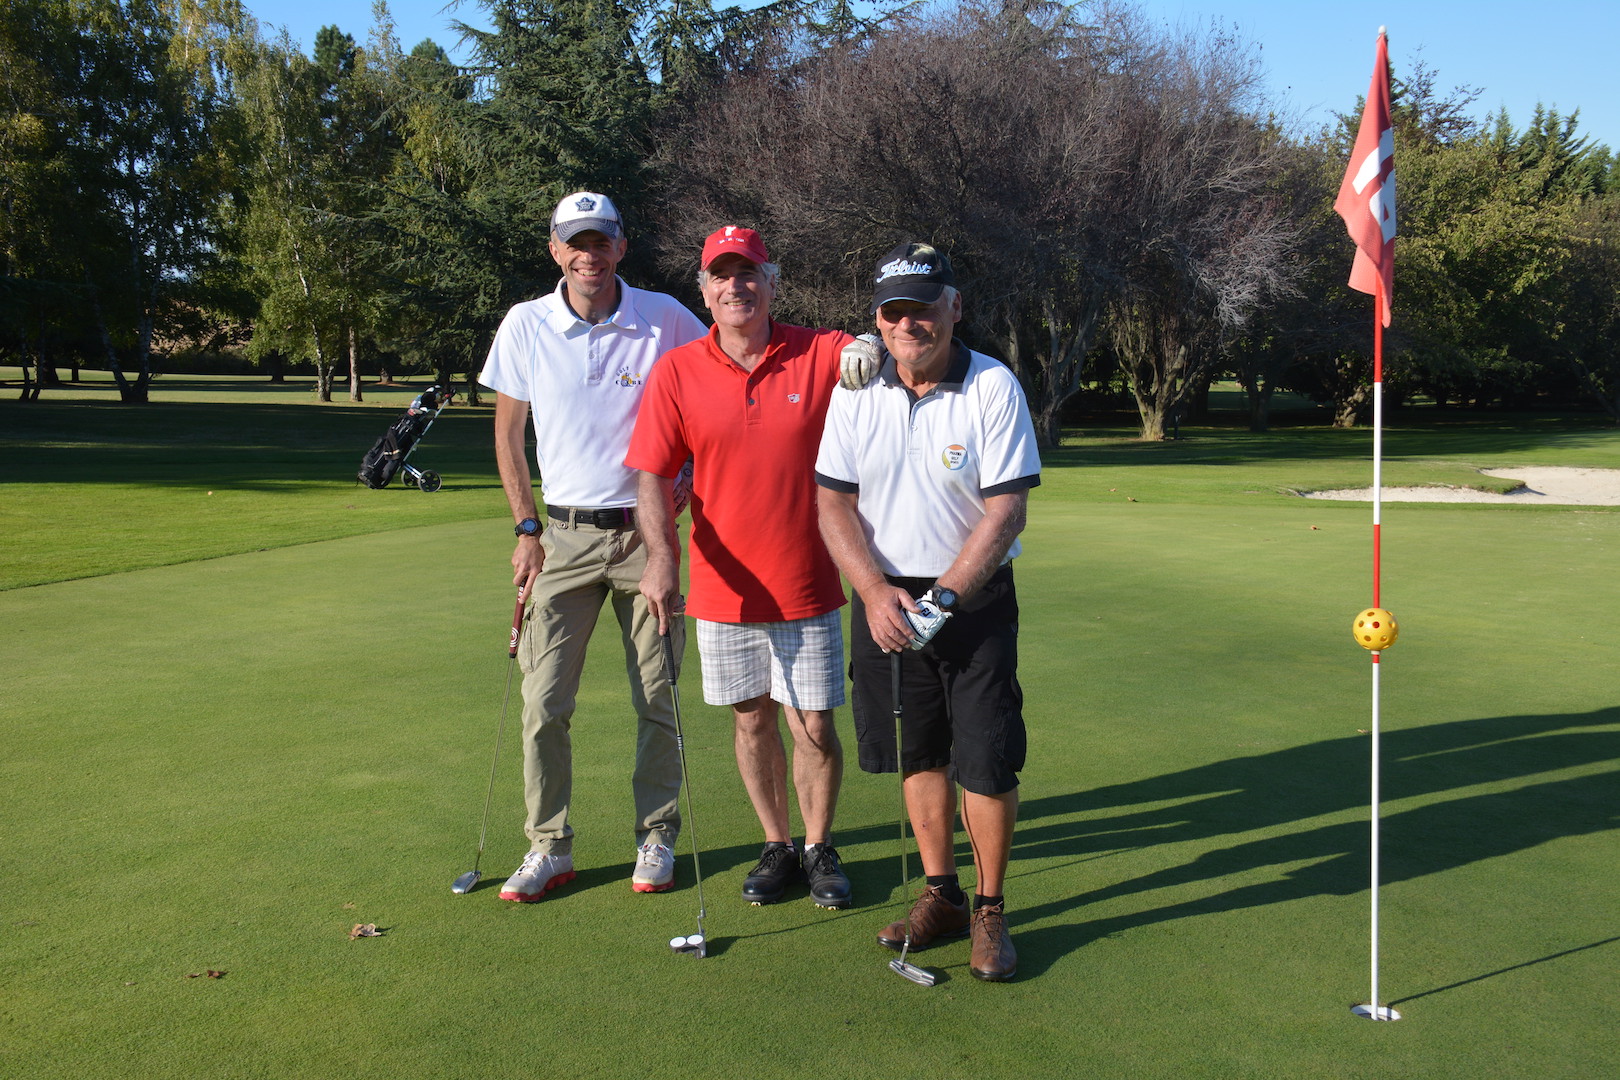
(655, 869)
(539, 874)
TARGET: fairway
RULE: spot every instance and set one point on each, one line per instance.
(224, 759)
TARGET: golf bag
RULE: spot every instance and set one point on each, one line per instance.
(389, 454)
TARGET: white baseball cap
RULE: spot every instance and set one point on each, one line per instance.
(584, 210)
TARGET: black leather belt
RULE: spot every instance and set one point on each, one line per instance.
(617, 517)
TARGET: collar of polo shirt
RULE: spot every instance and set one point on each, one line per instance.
(955, 373)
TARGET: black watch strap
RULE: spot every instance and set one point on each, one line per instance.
(945, 598)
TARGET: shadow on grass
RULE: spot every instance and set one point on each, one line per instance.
(1506, 970)
(1268, 791)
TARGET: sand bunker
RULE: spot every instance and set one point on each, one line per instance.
(1542, 485)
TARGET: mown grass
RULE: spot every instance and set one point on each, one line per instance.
(226, 762)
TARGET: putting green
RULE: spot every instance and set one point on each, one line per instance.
(224, 765)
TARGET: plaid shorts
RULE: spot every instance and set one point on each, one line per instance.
(799, 662)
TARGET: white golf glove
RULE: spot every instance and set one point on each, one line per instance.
(926, 622)
(859, 362)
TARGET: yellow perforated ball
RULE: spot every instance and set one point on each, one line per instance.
(1375, 629)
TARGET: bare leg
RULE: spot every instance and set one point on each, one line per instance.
(931, 804)
(818, 770)
(762, 761)
(989, 821)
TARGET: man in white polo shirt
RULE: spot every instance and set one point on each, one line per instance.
(578, 358)
(924, 484)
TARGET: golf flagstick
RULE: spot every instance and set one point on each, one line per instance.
(1366, 201)
(1368, 627)
(465, 882)
(899, 966)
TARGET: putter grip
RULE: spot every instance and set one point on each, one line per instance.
(517, 626)
(669, 657)
(894, 683)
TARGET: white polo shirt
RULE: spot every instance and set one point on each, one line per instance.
(924, 466)
(583, 383)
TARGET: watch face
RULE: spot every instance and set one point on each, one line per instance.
(947, 599)
(527, 527)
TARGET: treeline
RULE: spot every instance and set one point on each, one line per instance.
(1124, 211)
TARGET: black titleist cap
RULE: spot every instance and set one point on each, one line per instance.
(911, 271)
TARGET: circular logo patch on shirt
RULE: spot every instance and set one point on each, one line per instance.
(954, 457)
(628, 378)
(793, 399)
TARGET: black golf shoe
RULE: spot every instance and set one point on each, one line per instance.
(778, 868)
(829, 888)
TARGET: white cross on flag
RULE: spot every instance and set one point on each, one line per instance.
(1367, 196)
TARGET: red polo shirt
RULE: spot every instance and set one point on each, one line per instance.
(756, 551)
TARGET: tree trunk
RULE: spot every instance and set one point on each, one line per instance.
(1347, 410)
(354, 365)
(1150, 409)
(28, 391)
(1259, 406)
(323, 370)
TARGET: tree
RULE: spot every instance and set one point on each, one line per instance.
(1117, 165)
(1590, 332)
(322, 140)
(129, 93)
(1205, 232)
(39, 45)
(441, 254)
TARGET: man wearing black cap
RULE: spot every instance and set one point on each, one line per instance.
(578, 359)
(924, 482)
(745, 405)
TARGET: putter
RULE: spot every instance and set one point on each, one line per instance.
(898, 965)
(465, 882)
(693, 944)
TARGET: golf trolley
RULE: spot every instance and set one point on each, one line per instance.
(389, 454)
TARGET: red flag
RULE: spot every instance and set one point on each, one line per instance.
(1367, 196)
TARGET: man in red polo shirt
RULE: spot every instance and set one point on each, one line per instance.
(746, 404)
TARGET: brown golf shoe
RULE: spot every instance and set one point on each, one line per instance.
(994, 957)
(932, 916)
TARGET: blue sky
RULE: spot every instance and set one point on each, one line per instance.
(1317, 55)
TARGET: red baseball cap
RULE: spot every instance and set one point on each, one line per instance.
(734, 240)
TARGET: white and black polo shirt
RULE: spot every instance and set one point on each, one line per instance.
(923, 467)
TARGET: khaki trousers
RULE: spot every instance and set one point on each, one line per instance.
(583, 566)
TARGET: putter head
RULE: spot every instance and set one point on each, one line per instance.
(465, 882)
(693, 945)
(912, 972)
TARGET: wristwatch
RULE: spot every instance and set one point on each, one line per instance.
(527, 527)
(944, 599)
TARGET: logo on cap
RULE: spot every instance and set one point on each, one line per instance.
(901, 268)
(587, 203)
